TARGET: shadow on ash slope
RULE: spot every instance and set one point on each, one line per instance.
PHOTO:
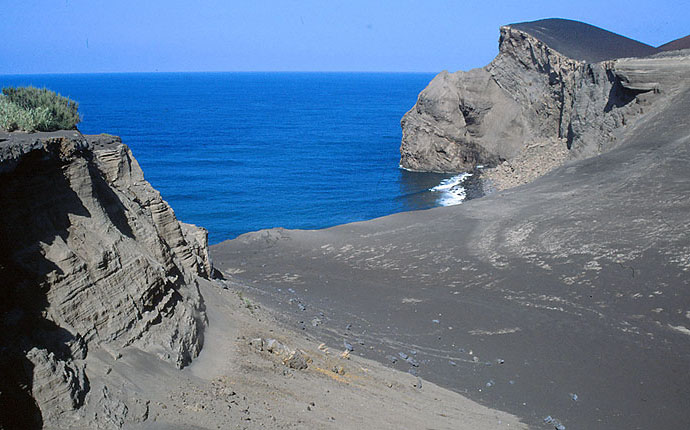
(562, 301)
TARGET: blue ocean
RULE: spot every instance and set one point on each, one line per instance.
(239, 152)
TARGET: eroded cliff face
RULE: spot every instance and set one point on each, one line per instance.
(90, 257)
(529, 95)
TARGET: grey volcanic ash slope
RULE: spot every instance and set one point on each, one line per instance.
(568, 297)
(91, 258)
(555, 83)
(564, 301)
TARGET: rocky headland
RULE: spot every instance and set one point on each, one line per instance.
(557, 91)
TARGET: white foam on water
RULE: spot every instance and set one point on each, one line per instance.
(451, 190)
(400, 166)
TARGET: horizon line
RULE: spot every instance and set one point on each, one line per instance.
(217, 71)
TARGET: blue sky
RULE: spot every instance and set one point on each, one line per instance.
(75, 36)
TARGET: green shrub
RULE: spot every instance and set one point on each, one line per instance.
(12, 117)
(36, 109)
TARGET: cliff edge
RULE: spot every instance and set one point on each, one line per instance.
(558, 90)
(91, 259)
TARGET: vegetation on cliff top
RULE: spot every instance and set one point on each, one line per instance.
(36, 109)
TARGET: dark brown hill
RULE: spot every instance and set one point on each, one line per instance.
(682, 43)
(582, 41)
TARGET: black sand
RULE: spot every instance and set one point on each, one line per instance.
(682, 43)
(583, 41)
(572, 291)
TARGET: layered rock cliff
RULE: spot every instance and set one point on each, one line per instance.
(91, 257)
(531, 95)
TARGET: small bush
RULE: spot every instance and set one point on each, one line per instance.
(12, 117)
(36, 109)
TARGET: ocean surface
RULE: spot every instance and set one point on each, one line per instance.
(239, 152)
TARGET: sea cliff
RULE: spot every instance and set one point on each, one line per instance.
(533, 102)
(92, 258)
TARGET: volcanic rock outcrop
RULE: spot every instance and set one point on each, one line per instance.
(91, 257)
(555, 84)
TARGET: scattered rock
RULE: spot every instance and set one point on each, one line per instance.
(556, 423)
(275, 347)
(297, 360)
(257, 343)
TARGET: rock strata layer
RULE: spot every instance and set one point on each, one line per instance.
(90, 257)
(530, 94)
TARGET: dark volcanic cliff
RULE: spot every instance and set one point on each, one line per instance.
(91, 259)
(544, 89)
